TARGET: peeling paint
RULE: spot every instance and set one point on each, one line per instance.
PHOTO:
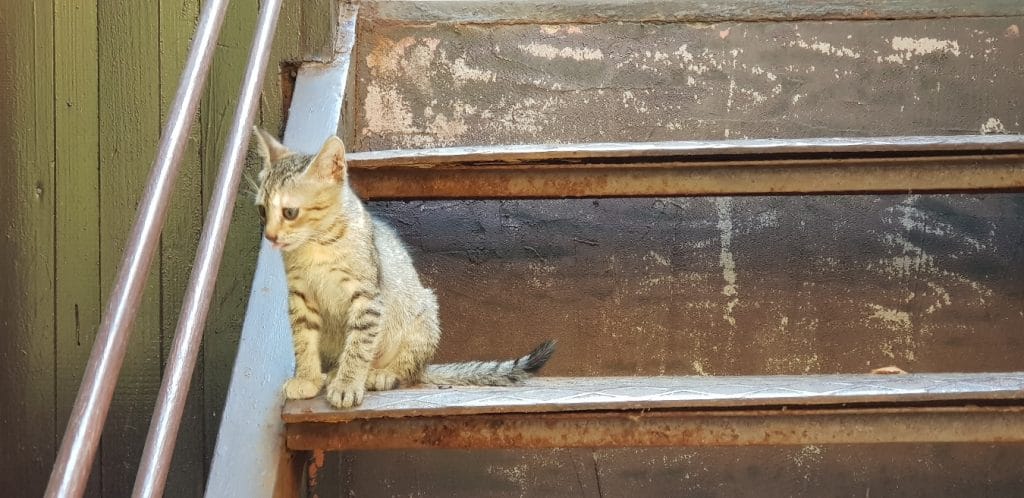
(943, 298)
(658, 258)
(684, 53)
(993, 125)
(908, 48)
(725, 258)
(912, 218)
(385, 111)
(551, 52)
(386, 56)
(808, 457)
(465, 73)
(826, 48)
(894, 320)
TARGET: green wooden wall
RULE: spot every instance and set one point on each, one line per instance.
(84, 92)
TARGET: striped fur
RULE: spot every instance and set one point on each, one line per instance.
(361, 319)
(490, 373)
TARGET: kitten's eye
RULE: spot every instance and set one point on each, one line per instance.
(263, 213)
(290, 213)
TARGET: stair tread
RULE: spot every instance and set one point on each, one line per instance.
(562, 394)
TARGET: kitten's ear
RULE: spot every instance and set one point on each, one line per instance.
(329, 164)
(268, 146)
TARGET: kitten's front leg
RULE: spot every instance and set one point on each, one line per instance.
(306, 326)
(361, 342)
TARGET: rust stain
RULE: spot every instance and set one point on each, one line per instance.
(670, 428)
(316, 462)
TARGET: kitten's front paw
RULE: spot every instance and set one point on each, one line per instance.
(297, 388)
(381, 380)
(345, 394)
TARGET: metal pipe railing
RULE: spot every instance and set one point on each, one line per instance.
(156, 458)
(74, 460)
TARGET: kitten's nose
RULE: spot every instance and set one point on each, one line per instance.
(272, 237)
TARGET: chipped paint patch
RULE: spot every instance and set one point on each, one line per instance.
(894, 320)
(462, 72)
(699, 368)
(725, 257)
(993, 125)
(943, 297)
(386, 56)
(914, 261)
(385, 111)
(808, 457)
(658, 258)
(551, 52)
(912, 218)
(554, 29)
(516, 474)
(826, 48)
(907, 48)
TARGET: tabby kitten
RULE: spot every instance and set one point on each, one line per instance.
(360, 317)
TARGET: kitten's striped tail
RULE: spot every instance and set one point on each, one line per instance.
(490, 373)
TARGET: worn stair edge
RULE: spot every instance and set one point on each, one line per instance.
(728, 167)
(653, 11)
(570, 394)
(752, 149)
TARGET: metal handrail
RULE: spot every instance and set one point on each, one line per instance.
(71, 469)
(156, 458)
(78, 448)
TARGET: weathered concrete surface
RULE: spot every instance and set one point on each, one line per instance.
(815, 471)
(715, 286)
(729, 286)
(429, 86)
(754, 285)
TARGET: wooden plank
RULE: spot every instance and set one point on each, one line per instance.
(554, 394)
(281, 68)
(178, 19)
(220, 341)
(319, 33)
(248, 451)
(27, 245)
(591, 11)
(78, 305)
(673, 427)
(129, 117)
(346, 44)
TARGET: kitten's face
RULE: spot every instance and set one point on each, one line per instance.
(299, 195)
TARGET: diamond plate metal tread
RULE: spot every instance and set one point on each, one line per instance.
(554, 394)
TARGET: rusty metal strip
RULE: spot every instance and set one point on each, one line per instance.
(991, 424)
(816, 166)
